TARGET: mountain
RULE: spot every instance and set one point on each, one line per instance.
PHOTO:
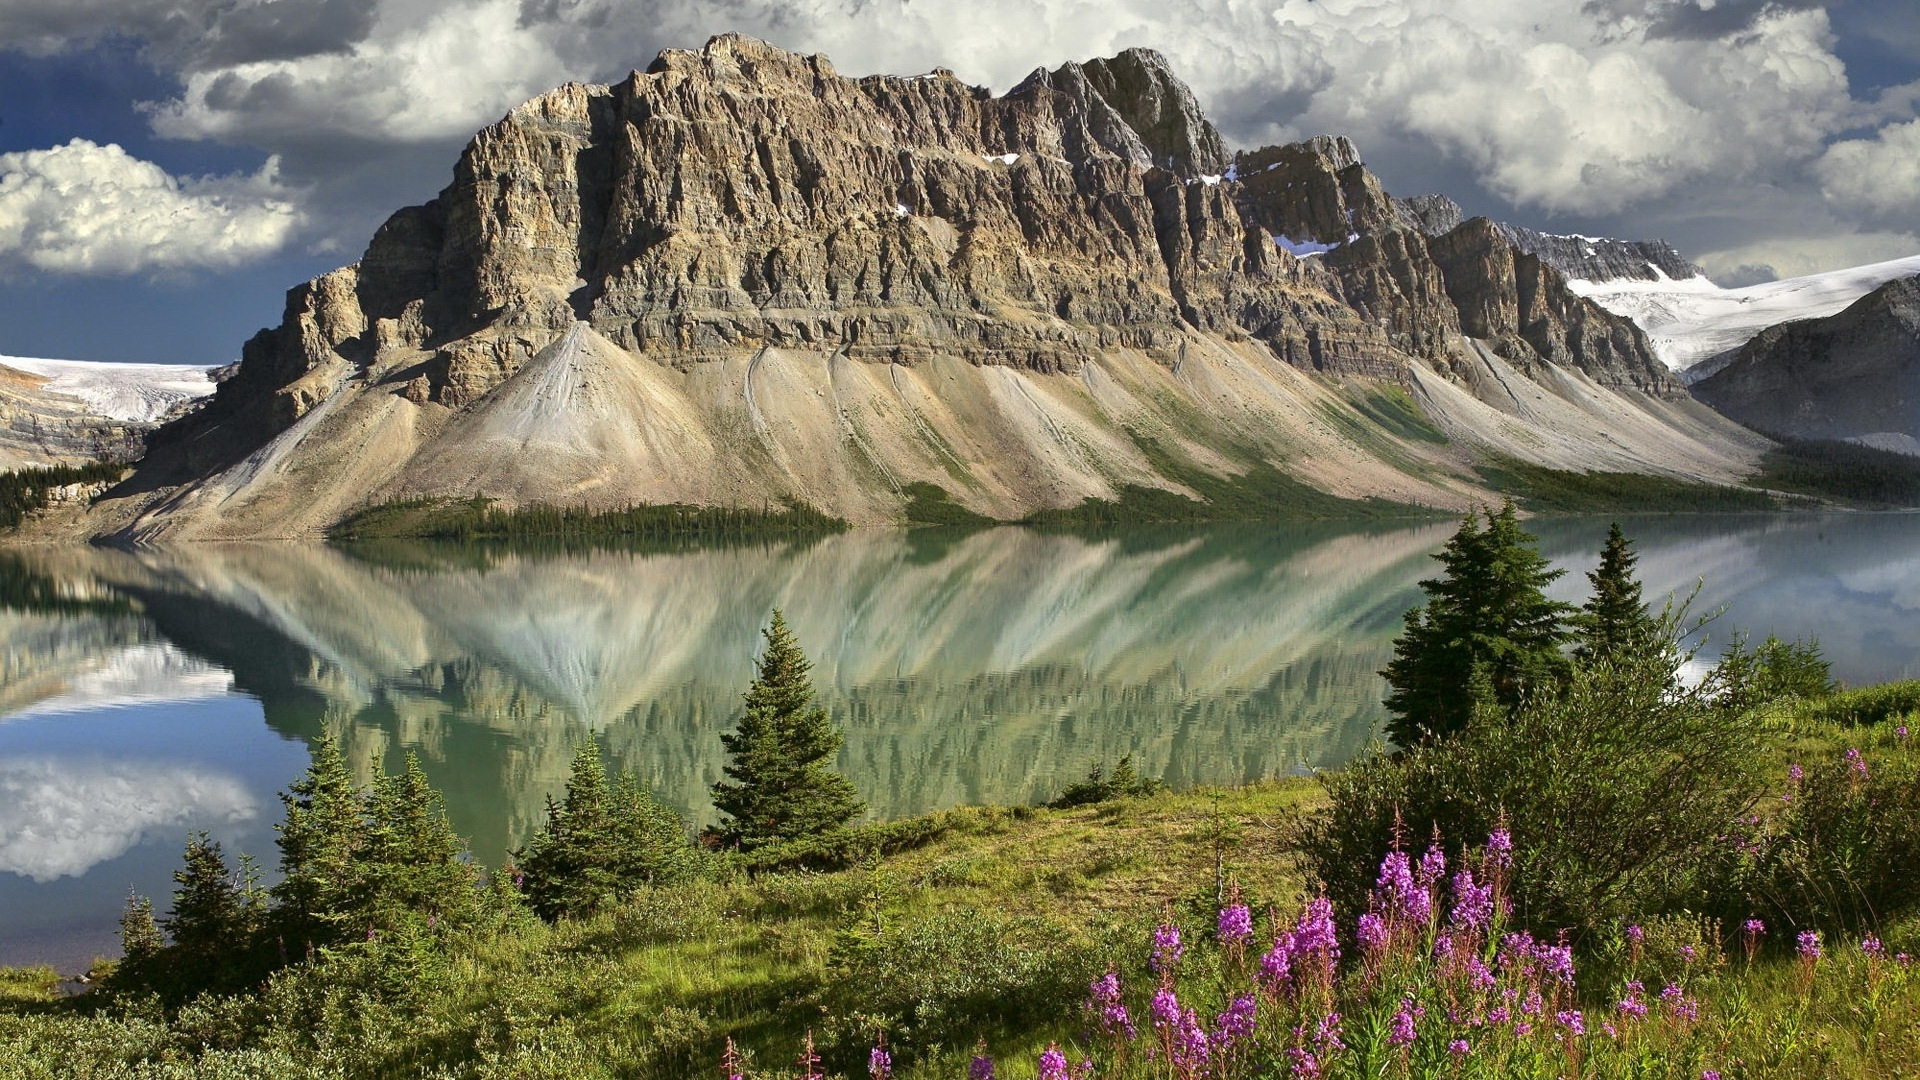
(1696, 327)
(740, 277)
(1581, 258)
(69, 411)
(1854, 375)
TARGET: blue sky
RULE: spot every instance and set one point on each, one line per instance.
(168, 168)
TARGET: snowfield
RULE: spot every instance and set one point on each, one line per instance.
(1692, 323)
(138, 392)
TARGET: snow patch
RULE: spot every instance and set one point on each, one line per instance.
(1690, 322)
(1305, 249)
(901, 210)
(134, 392)
(1004, 159)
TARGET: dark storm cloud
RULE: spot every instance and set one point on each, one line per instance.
(191, 35)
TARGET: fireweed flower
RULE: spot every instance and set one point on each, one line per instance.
(1687, 953)
(1810, 945)
(1433, 867)
(1372, 933)
(981, 1067)
(1870, 946)
(1167, 949)
(1326, 1034)
(1500, 848)
(1631, 1005)
(1500, 1015)
(1316, 945)
(1235, 925)
(1459, 1048)
(1165, 1008)
(1573, 1020)
(1857, 763)
(880, 1064)
(1402, 1032)
(1400, 894)
(1557, 961)
(1103, 1001)
(1533, 1004)
(1192, 1049)
(1236, 1024)
(1053, 1063)
(1472, 904)
(1900, 732)
(1710, 1074)
(1276, 965)
(1305, 1065)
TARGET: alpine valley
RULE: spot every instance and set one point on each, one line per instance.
(742, 279)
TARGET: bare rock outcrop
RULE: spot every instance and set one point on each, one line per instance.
(739, 275)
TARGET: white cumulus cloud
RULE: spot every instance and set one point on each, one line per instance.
(83, 208)
(1878, 176)
(62, 818)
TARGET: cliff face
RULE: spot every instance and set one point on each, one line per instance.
(1854, 375)
(40, 428)
(740, 276)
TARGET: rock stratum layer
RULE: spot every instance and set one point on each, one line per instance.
(740, 276)
(1854, 375)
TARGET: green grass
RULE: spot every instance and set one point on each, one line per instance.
(1261, 493)
(477, 519)
(24, 491)
(1560, 491)
(1858, 475)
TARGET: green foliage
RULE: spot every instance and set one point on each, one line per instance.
(321, 843)
(601, 843)
(952, 977)
(477, 519)
(843, 848)
(1775, 671)
(214, 923)
(1844, 853)
(929, 504)
(1618, 789)
(24, 589)
(1615, 618)
(1559, 491)
(1487, 632)
(1848, 472)
(1098, 787)
(1868, 705)
(141, 945)
(24, 491)
(780, 757)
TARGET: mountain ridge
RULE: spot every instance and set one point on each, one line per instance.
(740, 276)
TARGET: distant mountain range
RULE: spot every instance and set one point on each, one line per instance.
(739, 278)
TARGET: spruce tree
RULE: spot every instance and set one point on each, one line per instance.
(215, 919)
(603, 841)
(415, 870)
(784, 786)
(1615, 617)
(1487, 624)
(141, 946)
(322, 851)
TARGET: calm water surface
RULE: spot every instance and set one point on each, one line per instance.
(143, 695)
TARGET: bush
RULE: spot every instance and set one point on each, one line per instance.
(1775, 671)
(1844, 853)
(1617, 789)
(1868, 705)
(1098, 787)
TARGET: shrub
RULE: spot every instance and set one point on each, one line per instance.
(1616, 788)
(1098, 787)
(1844, 853)
(1775, 671)
(1868, 705)
(602, 842)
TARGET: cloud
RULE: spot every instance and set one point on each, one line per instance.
(83, 208)
(1878, 177)
(61, 818)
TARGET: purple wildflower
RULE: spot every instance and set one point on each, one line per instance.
(1433, 867)
(1636, 935)
(980, 1068)
(1900, 732)
(1459, 1048)
(1276, 965)
(880, 1064)
(1192, 1049)
(1305, 1065)
(1403, 1033)
(1857, 763)
(1557, 960)
(1053, 1063)
(1754, 928)
(1631, 1005)
(1500, 1015)
(1103, 1001)
(1401, 895)
(1533, 1004)
(1316, 945)
(1236, 1024)
(1472, 904)
(1326, 1034)
(1810, 945)
(1871, 947)
(1372, 933)
(1573, 1020)
(1236, 925)
(1167, 948)
(1500, 848)
(1477, 972)
(1795, 773)
(1687, 953)
(1710, 1074)
(1165, 1008)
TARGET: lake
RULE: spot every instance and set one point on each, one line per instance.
(146, 694)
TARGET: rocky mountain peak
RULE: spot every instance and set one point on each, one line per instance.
(625, 288)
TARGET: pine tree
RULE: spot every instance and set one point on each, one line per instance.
(603, 841)
(414, 866)
(141, 945)
(1487, 623)
(322, 851)
(215, 920)
(780, 756)
(1615, 617)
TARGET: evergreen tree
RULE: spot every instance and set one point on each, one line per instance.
(215, 919)
(784, 785)
(414, 860)
(141, 946)
(1487, 630)
(603, 841)
(1615, 617)
(322, 851)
